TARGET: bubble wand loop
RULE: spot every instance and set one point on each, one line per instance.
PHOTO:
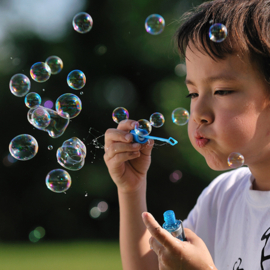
(144, 139)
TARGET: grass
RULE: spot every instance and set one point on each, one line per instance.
(58, 256)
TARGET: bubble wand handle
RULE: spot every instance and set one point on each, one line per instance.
(144, 139)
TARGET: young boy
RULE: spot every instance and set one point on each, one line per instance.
(229, 87)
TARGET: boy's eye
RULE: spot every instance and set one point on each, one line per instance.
(223, 92)
(192, 95)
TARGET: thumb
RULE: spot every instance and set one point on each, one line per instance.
(147, 148)
(191, 237)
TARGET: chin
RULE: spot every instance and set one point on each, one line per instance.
(217, 164)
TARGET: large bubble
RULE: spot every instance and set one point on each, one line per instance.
(58, 180)
(57, 125)
(180, 116)
(76, 79)
(32, 99)
(82, 22)
(71, 155)
(119, 114)
(68, 104)
(40, 72)
(23, 147)
(154, 24)
(143, 128)
(55, 63)
(19, 85)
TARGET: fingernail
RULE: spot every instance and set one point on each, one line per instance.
(135, 145)
(128, 137)
(133, 124)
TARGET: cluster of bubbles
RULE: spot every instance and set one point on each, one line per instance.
(218, 32)
(73, 151)
(71, 155)
(154, 24)
(180, 116)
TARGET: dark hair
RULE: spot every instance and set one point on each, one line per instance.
(248, 25)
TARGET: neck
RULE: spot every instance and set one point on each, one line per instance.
(261, 173)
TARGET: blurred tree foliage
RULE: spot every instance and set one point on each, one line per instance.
(124, 66)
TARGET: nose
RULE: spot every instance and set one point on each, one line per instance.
(202, 111)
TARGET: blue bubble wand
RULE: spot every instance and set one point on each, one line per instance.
(144, 138)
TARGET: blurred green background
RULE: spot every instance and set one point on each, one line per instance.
(124, 66)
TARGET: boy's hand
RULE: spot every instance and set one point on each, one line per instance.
(175, 254)
(127, 162)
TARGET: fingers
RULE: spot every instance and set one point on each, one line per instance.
(160, 234)
(127, 125)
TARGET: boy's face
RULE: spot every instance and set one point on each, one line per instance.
(229, 111)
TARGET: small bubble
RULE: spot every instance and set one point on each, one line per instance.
(19, 85)
(86, 194)
(154, 24)
(55, 63)
(217, 32)
(180, 116)
(40, 72)
(68, 208)
(58, 181)
(81, 93)
(50, 147)
(82, 22)
(157, 120)
(76, 79)
(119, 114)
(143, 128)
(43, 90)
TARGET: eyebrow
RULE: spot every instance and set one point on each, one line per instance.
(215, 78)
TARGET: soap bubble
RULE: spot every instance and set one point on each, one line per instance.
(180, 116)
(119, 114)
(57, 125)
(76, 79)
(50, 147)
(23, 147)
(40, 117)
(71, 155)
(235, 160)
(82, 22)
(218, 32)
(55, 63)
(40, 72)
(19, 85)
(157, 119)
(32, 99)
(143, 128)
(154, 24)
(68, 104)
(58, 180)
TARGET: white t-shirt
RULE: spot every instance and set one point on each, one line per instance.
(234, 222)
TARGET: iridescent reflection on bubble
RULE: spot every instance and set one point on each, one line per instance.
(58, 180)
(68, 104)
(82, 22)
(235, 160)
(218, 32)
(76, 79)
(19, 85)
(55, 63)
(143, 128)
(57, 124)
(157, 120)
(154, 24)
(119, 114)
(180, 116)
(71, 155)
(40, 72)
(32, 99)
(23, 147)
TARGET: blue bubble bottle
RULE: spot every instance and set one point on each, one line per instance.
(174, 226)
